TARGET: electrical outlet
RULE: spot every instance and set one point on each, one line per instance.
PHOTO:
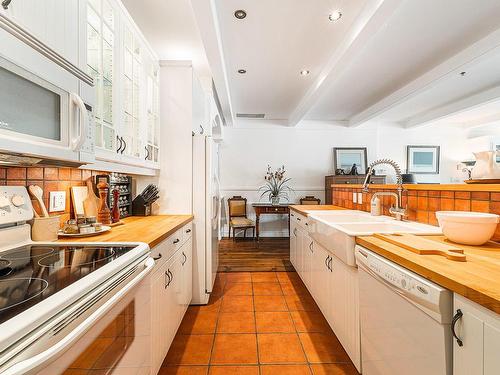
(354, 198)
(360, 198)
(57, 201)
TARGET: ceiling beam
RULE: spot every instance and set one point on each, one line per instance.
(482, 121)
(369, 22)
(205, 12)
(456, 107)
(472, 54)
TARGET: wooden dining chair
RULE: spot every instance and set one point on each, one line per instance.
(310, 200)
(238, 219)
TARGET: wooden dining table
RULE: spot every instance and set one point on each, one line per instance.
(270, 209)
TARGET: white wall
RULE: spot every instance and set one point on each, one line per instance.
(307, 153)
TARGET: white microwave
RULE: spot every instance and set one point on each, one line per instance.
(45, 109)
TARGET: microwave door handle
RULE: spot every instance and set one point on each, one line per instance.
(45, 357)
(77, 142)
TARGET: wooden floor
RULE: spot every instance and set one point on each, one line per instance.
(246, 255)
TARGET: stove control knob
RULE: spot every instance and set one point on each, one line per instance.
(18, 200)
(4, 202)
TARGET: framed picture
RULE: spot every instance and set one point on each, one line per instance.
(422, 159)
(344, 158)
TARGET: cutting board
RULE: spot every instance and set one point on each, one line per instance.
(78, 195)
(423, 246)
(91, 202)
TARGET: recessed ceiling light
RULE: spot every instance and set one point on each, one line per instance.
(242, 71)
(335, 15)
(304, 72)
(240, 14)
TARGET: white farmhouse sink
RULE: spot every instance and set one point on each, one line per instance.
(336, 231)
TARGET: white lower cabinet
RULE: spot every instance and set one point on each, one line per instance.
(171, 291)
(332, 284)
(476, 345)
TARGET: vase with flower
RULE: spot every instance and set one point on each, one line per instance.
(276, 186)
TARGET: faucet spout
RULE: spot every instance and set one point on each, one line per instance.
(397, 210)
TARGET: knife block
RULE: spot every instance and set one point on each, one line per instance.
(140, 207)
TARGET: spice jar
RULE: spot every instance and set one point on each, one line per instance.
(86, 229)
(71, 227)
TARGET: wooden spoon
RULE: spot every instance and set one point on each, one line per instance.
(37, 192)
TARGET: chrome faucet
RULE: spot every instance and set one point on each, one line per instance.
(398, 211)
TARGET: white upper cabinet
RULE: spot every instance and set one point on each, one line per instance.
(54, 22)
(127, 78)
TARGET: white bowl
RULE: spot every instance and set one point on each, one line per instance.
(468, 228)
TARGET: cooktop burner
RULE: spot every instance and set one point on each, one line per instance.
(30, 274)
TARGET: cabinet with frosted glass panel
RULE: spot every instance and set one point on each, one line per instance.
(121, 63)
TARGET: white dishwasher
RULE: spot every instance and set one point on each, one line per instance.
(405, 320)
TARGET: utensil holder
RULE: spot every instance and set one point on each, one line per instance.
(45, 228)
(140, 207)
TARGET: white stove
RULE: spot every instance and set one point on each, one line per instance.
(59, 301)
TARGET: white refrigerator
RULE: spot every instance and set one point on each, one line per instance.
(206, 211)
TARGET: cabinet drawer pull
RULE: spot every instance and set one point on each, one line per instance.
(171, 276)
(298, 219)
(176, 241)
(167, 279)
(326, 261)
(158, 257)
(124, 145)
(120, 146)
(311, 247)
(188, 230)
(295, 232)
(330, 264)
(185, 258)
(458, 315)
(5, 4)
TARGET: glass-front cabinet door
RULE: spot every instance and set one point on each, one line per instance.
(152, 147)
(133, 78)
(101, 66)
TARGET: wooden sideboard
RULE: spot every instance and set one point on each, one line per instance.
(347, 179)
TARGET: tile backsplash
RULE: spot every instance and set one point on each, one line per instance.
(422, 204)
(49, 179)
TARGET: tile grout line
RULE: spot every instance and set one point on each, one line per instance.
(255, 324)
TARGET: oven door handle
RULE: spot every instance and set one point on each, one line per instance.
(77, 142)
(49, 354)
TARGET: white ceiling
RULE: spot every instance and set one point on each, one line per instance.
(419, 35)
(277, 40)
(366, 66)
(171, 29)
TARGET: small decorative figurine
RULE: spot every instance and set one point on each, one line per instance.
(115, 213)
(354, 170)
(103, 213)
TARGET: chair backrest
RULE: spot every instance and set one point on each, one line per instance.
(310, 200)
(237, 206)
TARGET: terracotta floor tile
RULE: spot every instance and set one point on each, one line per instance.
(267, 289)
(301, 303)
(280, 348)
(262, 277)
(237, 304)
(274, 322)
(241, 322)
(198, 322)
(238, 277)
(238, 289)
(284, 277)
(183, 370)
(323, 348)
(214, 304)
(234, 370)
(310, 321)
(291, 289)
(285, 370)
(190, 350)
(270, 303)
(334, 369)
(234, 349)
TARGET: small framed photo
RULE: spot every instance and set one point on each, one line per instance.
(422, 159)
(344, 159)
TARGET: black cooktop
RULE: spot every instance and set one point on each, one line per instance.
(29, 274)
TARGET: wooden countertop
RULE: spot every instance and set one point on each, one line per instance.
(435, 187)
(477, 279)
(302, 209)
(149, 229)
